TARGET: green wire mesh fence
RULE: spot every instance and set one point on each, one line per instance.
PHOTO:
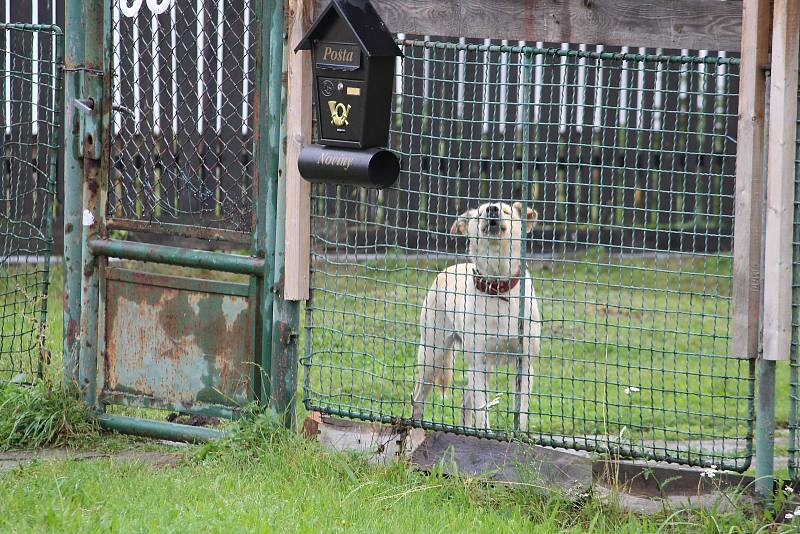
(30, 93)
(629, 160)
(794, 364)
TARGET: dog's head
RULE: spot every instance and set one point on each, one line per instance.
(495, 232)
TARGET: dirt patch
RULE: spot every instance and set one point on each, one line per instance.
(14, 459)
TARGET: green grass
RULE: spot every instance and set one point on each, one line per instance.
(263, 479)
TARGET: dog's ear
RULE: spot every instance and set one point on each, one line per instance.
(460, 226)
(531, 216)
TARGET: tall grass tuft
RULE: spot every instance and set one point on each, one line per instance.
(41, 414)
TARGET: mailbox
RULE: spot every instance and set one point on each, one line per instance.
(353, 56)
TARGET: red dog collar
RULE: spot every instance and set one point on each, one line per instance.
(494, 286)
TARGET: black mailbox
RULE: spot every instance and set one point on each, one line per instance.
(353, 57)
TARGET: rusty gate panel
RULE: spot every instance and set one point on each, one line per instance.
(176, 343)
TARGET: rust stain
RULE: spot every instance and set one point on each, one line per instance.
(72, 331)
(177, 345)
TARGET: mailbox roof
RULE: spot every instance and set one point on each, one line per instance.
(365, 23)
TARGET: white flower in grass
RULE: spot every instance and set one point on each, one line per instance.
(789, 516)
(631, 389)
(709, 472)
(494, 402)
(792, 515)
(788, 490)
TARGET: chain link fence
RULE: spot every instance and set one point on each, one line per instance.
(182, 122)
(629, 159)
(30, 115)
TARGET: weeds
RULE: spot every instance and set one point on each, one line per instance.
(41, 414)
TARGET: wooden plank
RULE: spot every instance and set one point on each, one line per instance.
(298, 191)
(749, 180)
(780, 180)
(693, 24)
(500, 461)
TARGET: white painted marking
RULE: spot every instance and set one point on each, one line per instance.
(538, 79)
(503, 111)
(640, 91)
(658, 97)
(486, 89)
(581, 93)
(156, 73)
(88, 218)
(115, 59)
(462, 61)
(622, 116)
(246, 71)
(35, 71)
(563, 110)
(174, 59)
(220, 49)
(597, 121)
(200, 61)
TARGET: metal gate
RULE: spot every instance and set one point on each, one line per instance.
(629, 160)
(178, 206)
(30, 90)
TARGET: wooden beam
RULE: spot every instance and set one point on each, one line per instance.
(780, 180)
(693, 24)
(749, 179)
(298, 134)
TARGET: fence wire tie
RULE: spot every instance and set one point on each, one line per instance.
(81, 68)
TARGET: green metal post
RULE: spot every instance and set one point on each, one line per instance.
(95, 87)
(286, 314)
(765, 430)
(73, 187)
(268, 120)
(765, 381)
(524, 199)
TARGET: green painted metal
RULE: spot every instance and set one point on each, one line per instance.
(269, 116)
(523, 190)
(183, 257)
(175, 341)
(28, 176)
(73, 187)
(157, 429)
(286, 314)
(96, 87)
(765, 431)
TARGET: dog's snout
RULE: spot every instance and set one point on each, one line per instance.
(492, 213)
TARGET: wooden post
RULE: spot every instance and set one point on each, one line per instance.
(749, 179)
(780, 180)
(298, 128)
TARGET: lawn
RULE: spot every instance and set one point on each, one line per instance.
(264, 479)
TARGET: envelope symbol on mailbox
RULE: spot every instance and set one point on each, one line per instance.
(339, 113)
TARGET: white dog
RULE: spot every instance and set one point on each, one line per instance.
(476, 307)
